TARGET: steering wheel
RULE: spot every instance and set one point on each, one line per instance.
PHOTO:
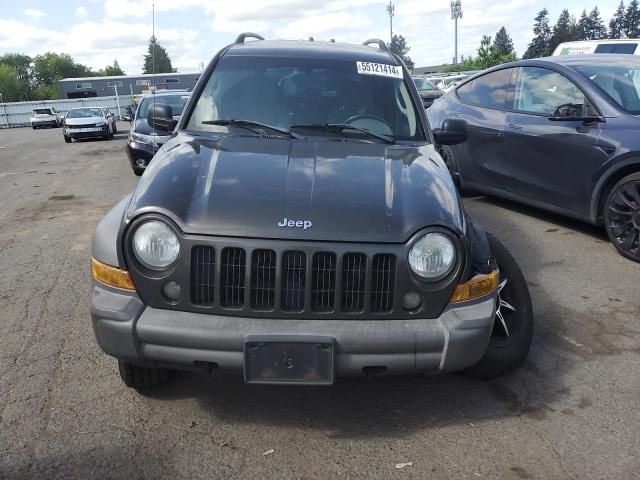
(370, 122)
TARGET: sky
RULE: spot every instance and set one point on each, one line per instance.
(96, 32)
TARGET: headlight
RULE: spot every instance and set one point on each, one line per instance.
(140, 137)
(432, 256)
(155, 245)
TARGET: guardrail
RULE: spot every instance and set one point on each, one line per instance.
(18, 114)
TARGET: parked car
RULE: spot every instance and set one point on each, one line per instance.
(144, 141)
(299, 225)
(447, 82)
(88, 122)
(45, 117)
(427, 91)
(627, 46)
(559, 133)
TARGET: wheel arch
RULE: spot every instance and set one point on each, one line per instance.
(607, 180)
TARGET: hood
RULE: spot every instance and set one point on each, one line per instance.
(82, 121)
(430, 94)
(246, 186)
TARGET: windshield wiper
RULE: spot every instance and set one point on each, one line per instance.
(340, 127)
(248, 124)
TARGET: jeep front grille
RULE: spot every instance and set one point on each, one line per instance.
(232, 274)
(203, 270)
(292, 281)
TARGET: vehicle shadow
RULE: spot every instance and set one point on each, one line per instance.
(394, 406)
(545, 215)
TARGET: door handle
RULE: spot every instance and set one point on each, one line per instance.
(515, 127)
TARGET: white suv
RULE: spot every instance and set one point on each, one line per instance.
(45, 117)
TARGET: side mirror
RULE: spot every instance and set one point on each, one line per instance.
(571, 112)
(160, 117)
(454, 131)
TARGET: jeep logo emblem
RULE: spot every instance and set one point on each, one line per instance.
(285, 222)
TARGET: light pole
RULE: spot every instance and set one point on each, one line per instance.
(456, 13)
(391, 11)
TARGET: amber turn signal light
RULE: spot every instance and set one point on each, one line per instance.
(475, 288)
(111, 276)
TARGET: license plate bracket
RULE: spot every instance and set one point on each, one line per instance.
(289, 360)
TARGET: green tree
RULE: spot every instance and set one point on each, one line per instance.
(632, 20)
(565, 30)
(47, 92)
(51, 67)
(399, 46)
(22, 65)
(503, 43)
(617, 23)
(584, 26)
(597, 29)
(157, 59)
(540, 44)
(111, 70)
(10, 85)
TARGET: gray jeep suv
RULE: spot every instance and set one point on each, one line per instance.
(298, 226)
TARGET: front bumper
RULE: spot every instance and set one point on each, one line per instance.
(86, 132)
(127, 329)
(140, 154)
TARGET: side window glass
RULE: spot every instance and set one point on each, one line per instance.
(489, 90)
(541, 91)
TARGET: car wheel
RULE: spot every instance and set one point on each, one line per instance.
(67, 139)
(513, 325)
(141, 378)
(622, 216)
(449, 158)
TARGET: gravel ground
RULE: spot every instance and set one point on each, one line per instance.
(571, 411)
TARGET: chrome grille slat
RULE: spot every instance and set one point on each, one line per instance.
(202, 275)
(323, 282)
(353, 282)
(293, 277)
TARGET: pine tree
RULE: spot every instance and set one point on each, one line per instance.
(502, 43)
(632, 20)
(399, 46)
(597, 29)
(539, 46)
(616, 25)
(565, 30)
(157, 60)
(584, 27)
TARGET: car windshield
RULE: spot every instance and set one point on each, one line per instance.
(422, 84)
(42, 111)
(619, 79)
(176, 102)
(300, 91)
(84, 113)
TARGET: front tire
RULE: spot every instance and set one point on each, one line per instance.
(622, 216)
(67, 139)
(513, 325)
(141, 378)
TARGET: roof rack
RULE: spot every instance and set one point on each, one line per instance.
(377, 41)
(244, 35)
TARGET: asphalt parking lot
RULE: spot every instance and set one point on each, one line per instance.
(571, 411)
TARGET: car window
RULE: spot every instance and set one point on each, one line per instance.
(489, 90)
(284, 91)
(628, 48)
(84, 113)
(619, 79)
(422, 84)
(540, 91)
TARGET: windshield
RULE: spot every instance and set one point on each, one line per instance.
(300, 91)
(619, 79)
(84, 113)
(42, 111)
(176, 102)
(422, 84)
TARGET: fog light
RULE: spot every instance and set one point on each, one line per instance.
(172, 291)
(411, 301)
